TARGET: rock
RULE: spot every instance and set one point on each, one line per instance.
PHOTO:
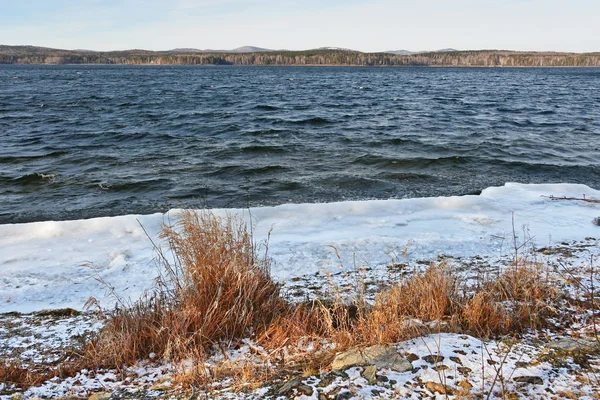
(534, 380)
(382, 378)
(439, 388)
(380, 356)
(305, 390)
(412, 357)
(440, 367)
(101, 396)
(343, 395)
(326, 380)
(572, 344)
(288, 386)
(340, 374)
(369, 374)
(431, 359)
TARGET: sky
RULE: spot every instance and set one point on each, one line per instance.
(375, 25)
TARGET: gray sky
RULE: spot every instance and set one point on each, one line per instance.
(377, 25)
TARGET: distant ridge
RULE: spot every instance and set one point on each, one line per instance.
(251, 55)
(243, 49)
(408, 52)
(249, 49)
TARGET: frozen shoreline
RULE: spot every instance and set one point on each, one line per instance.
(46, 264)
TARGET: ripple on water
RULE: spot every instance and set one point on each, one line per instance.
(116, 140)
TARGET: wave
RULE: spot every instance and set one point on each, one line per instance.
(35, 179)
(317, 121)
(25, 158)
(414, 162)
(263, 149)
(134, 186)
(230, 171)
(265, 107)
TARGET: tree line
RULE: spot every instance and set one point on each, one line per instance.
(479, 58)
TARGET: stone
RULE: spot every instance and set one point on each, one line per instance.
(305, 390)
(288, 386)
(343, 395)
(534, 380)
(382, 378)
(464, 370)
(340, 374)
(431, 359)
(440, 367)
(435, 387)
(101, 396)
(379, 355)
(412, 357)
(369, 374)
(572, 344)
(326, 380)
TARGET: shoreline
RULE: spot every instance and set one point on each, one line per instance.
(314, 65)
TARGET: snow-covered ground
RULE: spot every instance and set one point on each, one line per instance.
(47, 265)
(460, 366)
(50, 265)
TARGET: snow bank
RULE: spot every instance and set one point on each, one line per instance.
(47, 264)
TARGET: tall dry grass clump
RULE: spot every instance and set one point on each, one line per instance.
(214, 290)
(518, 299)
(521, 297)
(401, 311)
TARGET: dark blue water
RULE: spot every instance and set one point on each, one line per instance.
(84, 141)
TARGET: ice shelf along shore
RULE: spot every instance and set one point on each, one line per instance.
(46, 265)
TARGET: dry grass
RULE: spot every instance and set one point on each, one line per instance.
(216, 291)
(522, 297)
(14, 373)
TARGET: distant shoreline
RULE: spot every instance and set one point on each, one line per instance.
(308, 58)
(310, 66)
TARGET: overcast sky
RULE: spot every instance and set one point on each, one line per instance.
(376, 25)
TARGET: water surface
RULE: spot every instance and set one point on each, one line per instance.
(85, 141)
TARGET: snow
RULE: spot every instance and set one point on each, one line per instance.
(54, 264)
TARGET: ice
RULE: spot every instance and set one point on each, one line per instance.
(54, 264)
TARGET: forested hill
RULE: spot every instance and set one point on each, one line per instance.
(487, 58)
